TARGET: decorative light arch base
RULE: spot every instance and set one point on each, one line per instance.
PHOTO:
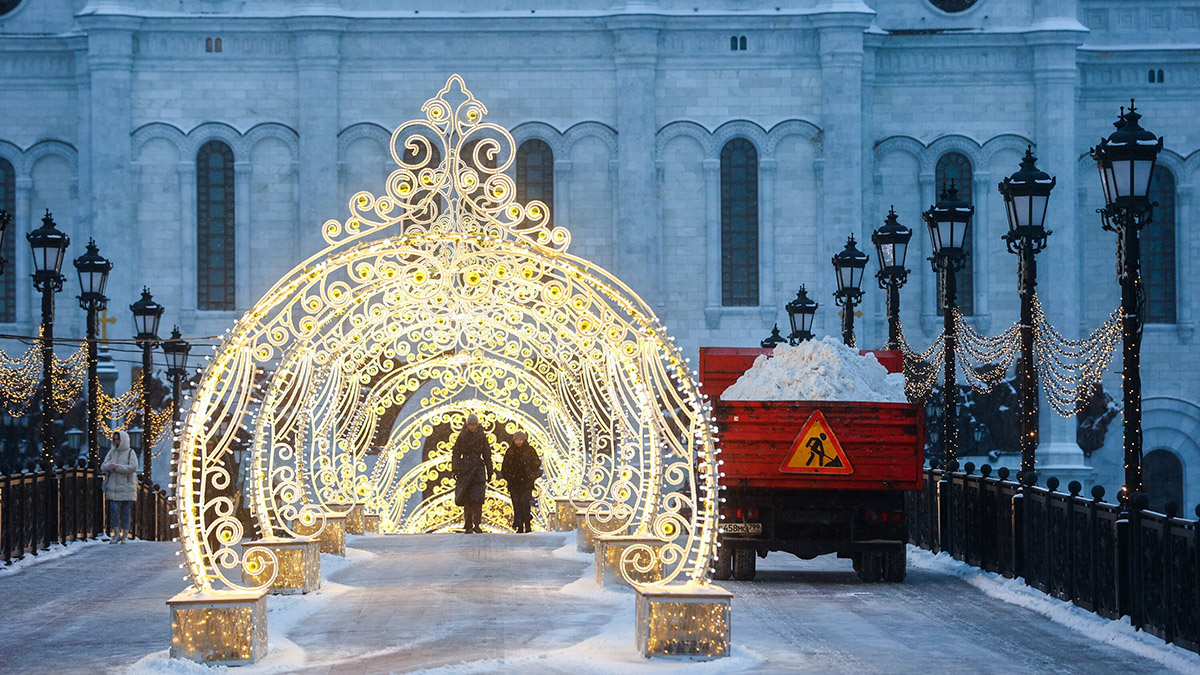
(351, 378)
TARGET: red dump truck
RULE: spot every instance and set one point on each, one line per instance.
(812, 477)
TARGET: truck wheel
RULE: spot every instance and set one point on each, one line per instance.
(743, 564)
(856, 561)
(895, 565)
(871, 567)
(723, 566)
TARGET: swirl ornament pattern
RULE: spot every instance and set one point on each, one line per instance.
(350, 379)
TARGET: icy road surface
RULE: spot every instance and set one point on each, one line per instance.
(509, 603)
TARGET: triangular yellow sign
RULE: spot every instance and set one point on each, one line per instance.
(816, 450)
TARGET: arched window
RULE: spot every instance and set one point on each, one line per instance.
(955, 166)
(535, 173)
(1158, 250)
(8, 280)
(1162, 479)
(739, 223)
(215, 227)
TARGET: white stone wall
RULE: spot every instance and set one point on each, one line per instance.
(849, 104)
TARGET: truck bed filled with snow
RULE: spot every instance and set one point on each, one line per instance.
(817, 370)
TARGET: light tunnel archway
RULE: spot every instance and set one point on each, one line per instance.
(441, 298)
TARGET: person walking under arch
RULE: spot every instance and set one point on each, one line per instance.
(471, 462)
(120, 467)
(522, 467)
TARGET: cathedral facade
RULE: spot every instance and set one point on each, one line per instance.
(714, 154)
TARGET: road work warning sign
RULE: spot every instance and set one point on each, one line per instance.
(816, 450)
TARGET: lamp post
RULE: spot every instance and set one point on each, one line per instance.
(1126, 162)
(800, 313)
(1026, 194)
(6, 220)
(773, 340)
(849, 265)
(891, 246)
(48, 245)
(146, 314)
(176, 350)
(948, 221)
(93, 270)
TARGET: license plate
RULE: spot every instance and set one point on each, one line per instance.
(743, 528)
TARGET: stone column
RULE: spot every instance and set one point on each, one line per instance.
(712, 242)
(635, 55)
(83, 145)
(982, 190)
(766, 242)
(318, 42)
(186, 170)
(840, 33)
(110, 63)
(1056, 79)
(245, 263)
(562, 193)
(28, 310)
(1185, 298)
(923, 250)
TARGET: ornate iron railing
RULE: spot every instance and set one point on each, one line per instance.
(1140, 564)
(38, 508)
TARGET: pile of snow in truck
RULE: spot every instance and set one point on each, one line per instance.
(817, 370)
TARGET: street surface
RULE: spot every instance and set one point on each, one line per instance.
(526, 603)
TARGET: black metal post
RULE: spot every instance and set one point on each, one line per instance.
(848, 322)
(1129, 227)
(93, 401)
(949, 386)
(893, 314)
(147, 434)
(1028, 375)
(50, 487)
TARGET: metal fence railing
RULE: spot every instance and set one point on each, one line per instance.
(1140, 564)
(39, 508)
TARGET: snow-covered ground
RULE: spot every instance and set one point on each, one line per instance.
(528, 604)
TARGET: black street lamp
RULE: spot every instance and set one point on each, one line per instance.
(93, 270)
(49, 246)
(849, 265)
(6, 220)
(948, 221)
(1026, 194)
(891, 247)
(773, 340)
(146, 314)
(800, 314)
(1126, 162)
(176, 349)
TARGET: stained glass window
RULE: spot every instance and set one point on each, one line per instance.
(739, 223)
(8, 280)
(535, 173)
(956, 167)
(215, 227)
(1158, 250)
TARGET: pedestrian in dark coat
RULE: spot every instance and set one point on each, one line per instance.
(522, 467)
(472, 466)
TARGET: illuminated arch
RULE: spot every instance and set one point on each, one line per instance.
(440, 298)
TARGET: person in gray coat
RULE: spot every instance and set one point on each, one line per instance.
(120, 467)
(471, 462)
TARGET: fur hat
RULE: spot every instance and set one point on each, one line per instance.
(521, 435)
(472, 419)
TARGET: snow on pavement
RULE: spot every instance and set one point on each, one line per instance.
(56, 551)
(1119, 633)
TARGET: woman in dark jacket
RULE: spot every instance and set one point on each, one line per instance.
(522, 467)
(472, 467)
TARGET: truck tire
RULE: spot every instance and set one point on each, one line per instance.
(895, 565)
(743, 564)
(871, 567)
(723, 566)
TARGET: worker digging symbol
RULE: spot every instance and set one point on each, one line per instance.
(816, 450)
(816, 447)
